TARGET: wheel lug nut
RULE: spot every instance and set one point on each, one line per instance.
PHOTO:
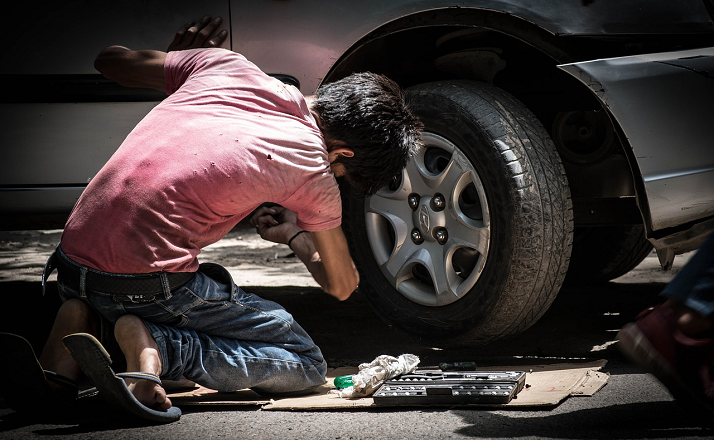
(441, 235)
(416, 237)
(413, 201)
(438, 203)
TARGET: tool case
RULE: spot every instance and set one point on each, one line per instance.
(428, 387)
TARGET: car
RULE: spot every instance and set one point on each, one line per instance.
(563, 140)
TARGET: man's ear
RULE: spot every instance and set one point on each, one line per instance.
(339, 149)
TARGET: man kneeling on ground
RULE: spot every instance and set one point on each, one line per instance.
(227, 139)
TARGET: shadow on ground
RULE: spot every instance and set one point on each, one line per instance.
(581, 324)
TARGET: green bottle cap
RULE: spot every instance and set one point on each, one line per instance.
(343, 382)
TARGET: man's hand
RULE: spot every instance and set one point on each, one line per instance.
(276, 224)
(145, 68)
(195, 35)
(324, 253)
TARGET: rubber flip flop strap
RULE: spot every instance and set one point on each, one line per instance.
(95, 362)
(141, 375)
(60, 380)
(24, 382)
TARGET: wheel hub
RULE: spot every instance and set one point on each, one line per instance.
(432, 244)
(429, 218)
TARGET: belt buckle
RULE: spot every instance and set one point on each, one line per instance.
(138, 298)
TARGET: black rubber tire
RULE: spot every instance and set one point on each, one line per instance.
(530, 218)
(601, 254)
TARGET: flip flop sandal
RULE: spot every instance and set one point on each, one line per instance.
(24, 384)
(95, 362)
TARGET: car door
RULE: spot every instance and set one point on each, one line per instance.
(61, 120)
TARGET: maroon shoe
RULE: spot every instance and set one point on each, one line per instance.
(685, 365)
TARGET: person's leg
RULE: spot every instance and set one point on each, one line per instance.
(74, 316)
(142, 355)
(674, 341)
(691, 292)
(215, 334)
(227, 364)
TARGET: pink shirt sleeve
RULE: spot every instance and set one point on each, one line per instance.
(178, 66)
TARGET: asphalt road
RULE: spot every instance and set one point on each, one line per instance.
(580, 326)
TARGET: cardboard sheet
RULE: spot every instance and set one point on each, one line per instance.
(546, 385)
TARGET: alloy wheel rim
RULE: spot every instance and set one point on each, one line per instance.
(429, 230)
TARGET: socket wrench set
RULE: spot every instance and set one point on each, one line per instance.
(427, 387)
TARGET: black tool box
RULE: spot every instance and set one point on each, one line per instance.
(428, 387)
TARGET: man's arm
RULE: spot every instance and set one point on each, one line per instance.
(327, 257)
(133, 68)
(145, 68)
(324, 253)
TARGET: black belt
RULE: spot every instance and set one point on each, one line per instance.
(130, 285)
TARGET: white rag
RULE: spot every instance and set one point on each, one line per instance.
(375, 373)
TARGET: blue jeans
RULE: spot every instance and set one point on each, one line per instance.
(694, 284)
(212, 332)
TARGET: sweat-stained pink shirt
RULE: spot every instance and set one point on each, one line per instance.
(226, 139)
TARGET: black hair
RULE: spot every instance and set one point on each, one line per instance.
(370, 114)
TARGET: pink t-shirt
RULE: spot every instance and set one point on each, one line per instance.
(226, 139)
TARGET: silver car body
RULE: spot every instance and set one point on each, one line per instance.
(52, 149)
(670, 131)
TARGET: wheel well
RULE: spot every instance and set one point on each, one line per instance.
(521, 58)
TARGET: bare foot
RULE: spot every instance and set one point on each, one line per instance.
(74, 316)
(151, 394)
(142, 354)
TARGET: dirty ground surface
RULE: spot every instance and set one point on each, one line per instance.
(580, 326)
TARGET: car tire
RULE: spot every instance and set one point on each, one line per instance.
(601, 254)
(471, 242)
